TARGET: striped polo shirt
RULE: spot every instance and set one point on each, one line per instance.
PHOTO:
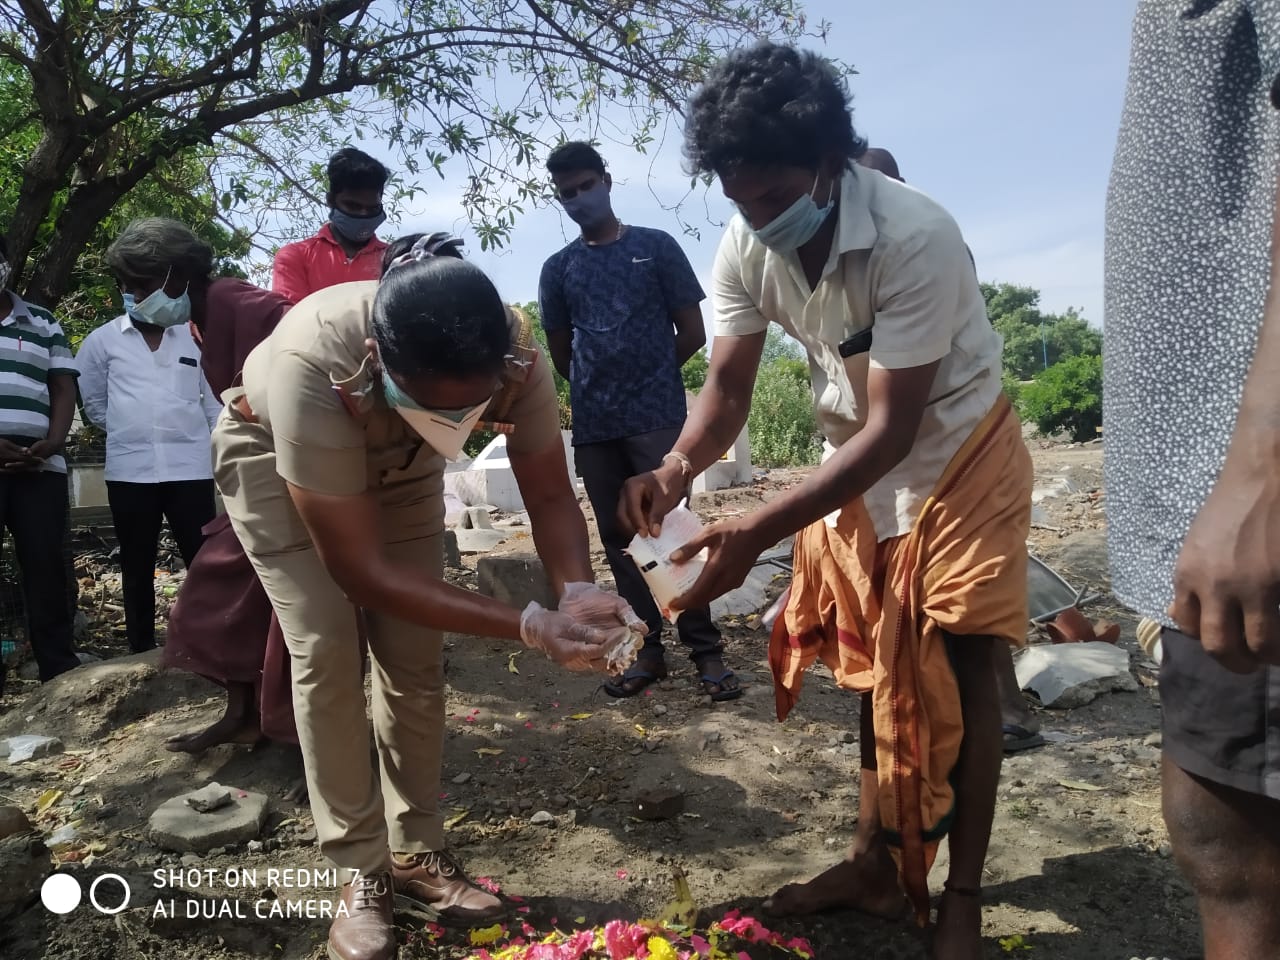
(32, 348)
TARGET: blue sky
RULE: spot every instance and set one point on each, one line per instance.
(1005, 111)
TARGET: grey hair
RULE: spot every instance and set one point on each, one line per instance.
(153, 246)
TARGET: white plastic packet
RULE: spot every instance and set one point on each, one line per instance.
(624, 647)
(668, 580)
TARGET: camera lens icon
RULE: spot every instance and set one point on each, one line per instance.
(61, 893)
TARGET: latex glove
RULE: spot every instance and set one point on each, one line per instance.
(574, 646)
(588, 604)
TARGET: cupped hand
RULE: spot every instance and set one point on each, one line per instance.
(574, 646)
(588, 604)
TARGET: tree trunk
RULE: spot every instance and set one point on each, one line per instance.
(87, 206)
(43, 175)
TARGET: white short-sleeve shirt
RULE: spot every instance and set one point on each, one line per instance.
(899, 266)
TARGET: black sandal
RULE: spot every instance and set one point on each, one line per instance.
(716, 687)
(636, 678)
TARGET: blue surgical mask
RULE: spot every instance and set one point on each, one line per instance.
(356, 229)
(589, 208)
(159, 309)
(795, 226)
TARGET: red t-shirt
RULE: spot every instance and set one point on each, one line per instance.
(302, 268)
(238, 317)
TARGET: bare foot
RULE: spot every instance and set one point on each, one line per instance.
(226, 730)
(867, 882)
(297, 793)
(958, 933)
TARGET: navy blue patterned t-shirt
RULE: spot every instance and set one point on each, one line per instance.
(617, 299)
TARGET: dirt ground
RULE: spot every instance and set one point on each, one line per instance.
(1076, 874)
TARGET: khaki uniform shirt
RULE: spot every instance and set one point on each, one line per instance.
(899, 266)
(319, 443)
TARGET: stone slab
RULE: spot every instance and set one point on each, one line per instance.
(516, 580)
(479, 541)
(177, 826)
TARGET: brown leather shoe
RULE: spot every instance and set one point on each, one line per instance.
(435, 881)
(367, 932)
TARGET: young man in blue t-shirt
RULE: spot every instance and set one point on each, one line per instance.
(620, 305)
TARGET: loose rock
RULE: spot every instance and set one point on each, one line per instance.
(13, 821)
(659, 804)
(209, 798)
(543, 818)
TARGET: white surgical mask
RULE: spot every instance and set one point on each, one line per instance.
(445, 430)
(795, 226)
(158, 308)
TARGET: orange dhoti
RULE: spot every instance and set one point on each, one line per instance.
(876, 613)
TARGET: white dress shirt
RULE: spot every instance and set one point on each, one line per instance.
(156, 405)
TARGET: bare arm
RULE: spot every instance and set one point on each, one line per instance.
(1227, 581)
(896, 400)
(691, 335)
(713, 424)
(345, 531)
(560, 344)
(895, 404)
(724, 401)
(559, 528)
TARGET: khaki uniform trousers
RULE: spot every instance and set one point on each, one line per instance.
(360, 813)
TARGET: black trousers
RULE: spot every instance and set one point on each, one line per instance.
(604, 468)
(137, 511)
(33, 508)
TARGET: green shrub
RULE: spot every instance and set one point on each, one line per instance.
(694, 371)
(1012, 388)
(1066, 398)
(782, 425)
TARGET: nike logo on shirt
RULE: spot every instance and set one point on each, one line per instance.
(641, 259)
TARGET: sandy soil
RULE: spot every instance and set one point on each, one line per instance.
(1078, 874)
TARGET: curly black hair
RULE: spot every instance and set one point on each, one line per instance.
(770, 105)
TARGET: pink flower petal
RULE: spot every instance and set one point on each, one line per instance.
(621, 874)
